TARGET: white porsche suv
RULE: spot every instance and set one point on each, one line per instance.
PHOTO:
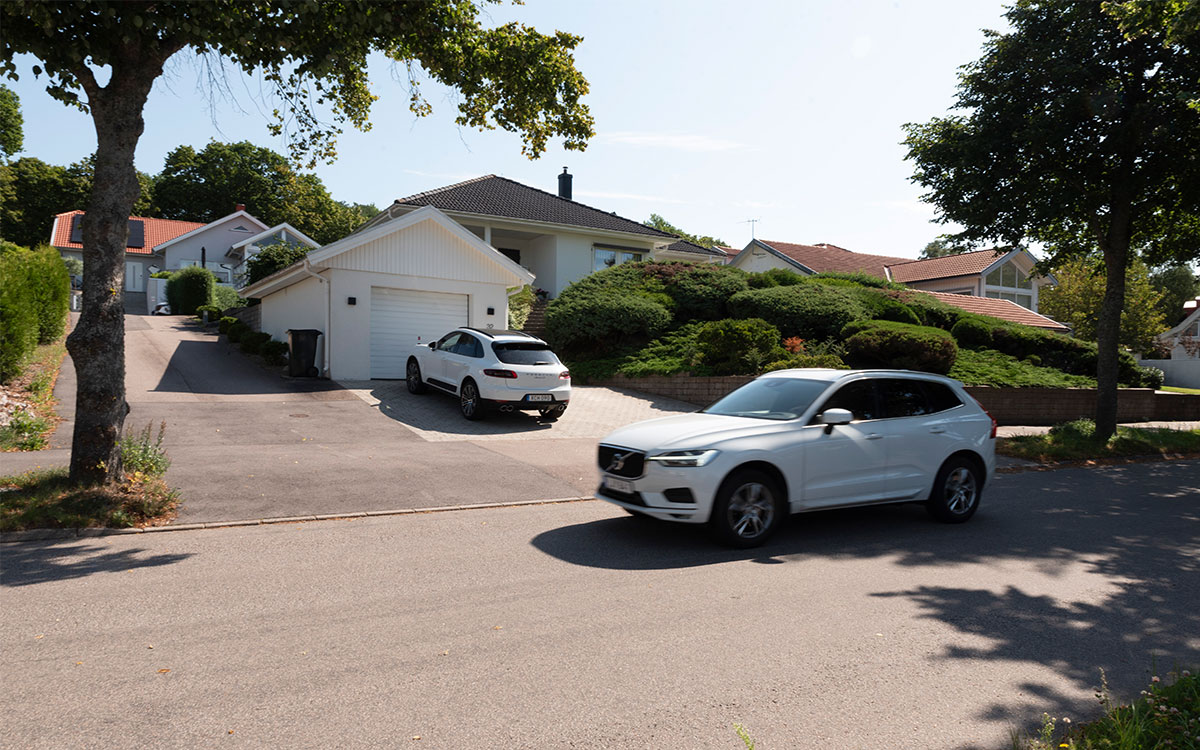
(486, 369)
(802, 440)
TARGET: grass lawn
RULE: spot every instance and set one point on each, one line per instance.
(1074, 441)
(1175, 389)
(48, 500)
(32, 424)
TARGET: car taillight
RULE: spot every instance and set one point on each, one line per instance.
(988, 413)
(564, 375)
(501, 374)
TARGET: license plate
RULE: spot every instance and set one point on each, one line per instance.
(620, 485)
(540, 397)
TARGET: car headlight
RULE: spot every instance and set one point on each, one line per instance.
(685, 458)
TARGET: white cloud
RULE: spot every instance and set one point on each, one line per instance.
(861, 47)
(674, 141)
(626, 197)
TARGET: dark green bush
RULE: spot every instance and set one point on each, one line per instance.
(214, 312)
(930, 310)
(972, 333)
(881, 306)
(161, 275)
(701, 292)
(826, 361)
(1152, 377)
(738, 347)
(810, 311)
(990, 367)
(188, 288)
(252, 341)
(225, 297)
(224, 323)
(274, 352)
(775, 277)
(236, 331)
(858, 278)
(604, 323)
(51, 291)
(18, 312)
(902, 346)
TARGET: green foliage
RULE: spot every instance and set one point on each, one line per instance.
(161, 275)
(883, 306)
(225, 297)
(775, 277)
(738, 347)
(1075, 301)
(699, 291)
(273, 258)
(797, 361)
(941, 247)
(990, 367)
(810, 311)
(213, 311)
(224, 323)
(1175, 284)
(252, 341)
(34, 298)
(49, 499)
(25, 431)
(12, 135)
(858, 278)
(520, 302)
(972, 333)
(1152, 377)
(603, 323)
(141, 453)
(74, 265)
(52, 291)
(900, 345)
(236, 330)
(189, 288)
(274, 352)
(662, 225)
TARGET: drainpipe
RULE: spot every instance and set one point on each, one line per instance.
(307, 268)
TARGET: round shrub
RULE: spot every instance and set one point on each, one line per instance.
(902, 346)
(881, 306)
(188, 288)
(738, 347)
(775, 277)
(810, 311)
(252, 341)
(825, 361)
(701, 292)
(972, 333)
(274, 352)
(224, 323)
(604, 323)
(1152, 377)
(213, 311)
(236, 331)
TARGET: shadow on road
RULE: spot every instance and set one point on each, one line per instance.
(217, 367)
(1136, 526)
(31, 563)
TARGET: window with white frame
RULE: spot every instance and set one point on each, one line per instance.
(603, 257)
(1010, 283)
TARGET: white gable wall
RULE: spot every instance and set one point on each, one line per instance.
(754, 259)
(216, 239)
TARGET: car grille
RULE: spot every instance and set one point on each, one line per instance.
(629, 463)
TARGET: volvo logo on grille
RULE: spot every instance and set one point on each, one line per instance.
(617, 463)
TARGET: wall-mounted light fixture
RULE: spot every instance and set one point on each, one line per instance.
(352, 300)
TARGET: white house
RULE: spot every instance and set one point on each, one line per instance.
(1183, 341)
(385, 289)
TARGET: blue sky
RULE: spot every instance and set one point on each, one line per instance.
(710, 113)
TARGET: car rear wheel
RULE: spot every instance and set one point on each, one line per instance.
(956, 491)
(749, 509)
(412, 377)
(469, 402)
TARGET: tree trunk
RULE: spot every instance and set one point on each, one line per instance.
(97, 345)
(1108, 328)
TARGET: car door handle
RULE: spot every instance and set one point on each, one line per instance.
(937, 429)
(874, 436)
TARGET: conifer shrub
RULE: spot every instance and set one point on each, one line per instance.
(901, 346)
(738, 347)
(810, 311)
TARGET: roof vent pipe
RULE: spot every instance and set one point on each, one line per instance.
(564, 184)
(239, 207)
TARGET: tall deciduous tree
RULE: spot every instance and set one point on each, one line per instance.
(1074, 136)
(1075, 300)
(1176, 284)
(12, 132)
(941, 247)
(314, 55)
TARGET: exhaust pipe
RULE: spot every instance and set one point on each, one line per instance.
(506, 408)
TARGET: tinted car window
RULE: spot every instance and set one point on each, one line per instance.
(469, 346)
(449, 341)
(770, 398)
(904, 398)
(858, 398)
(522, 353)
(940, 396)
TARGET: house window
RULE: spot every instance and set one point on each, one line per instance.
(1009, 276)
(1024, 300)
(603, 258)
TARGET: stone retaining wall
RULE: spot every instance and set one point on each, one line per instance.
(1009, 406)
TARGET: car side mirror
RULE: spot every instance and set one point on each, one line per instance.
(433, 345)
(832, 417)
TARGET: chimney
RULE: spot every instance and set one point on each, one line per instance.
(239, 207)
(564, 184)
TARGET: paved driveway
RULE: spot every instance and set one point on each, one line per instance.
(246, 442)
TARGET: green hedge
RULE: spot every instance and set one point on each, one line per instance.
(605, 323)
(235, 331)
(214, 312)
(252, 341)
(738, 347)
(224, 323)
(796, 361)
(274, 352)
(810, 311)
(225, 297)
(900, 345)
(189, 288)
(972, 333)
(35, 294)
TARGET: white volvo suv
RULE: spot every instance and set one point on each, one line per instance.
(802, 440)
(487, 369)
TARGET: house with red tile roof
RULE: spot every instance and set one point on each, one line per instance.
(222, 246)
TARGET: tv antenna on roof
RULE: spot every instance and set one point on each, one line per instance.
(751, 222)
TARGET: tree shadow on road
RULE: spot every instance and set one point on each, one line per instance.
(1135, 528)
(30, 563)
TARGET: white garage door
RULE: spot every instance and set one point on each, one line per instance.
(402, 318)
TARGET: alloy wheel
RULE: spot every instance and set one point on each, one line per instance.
(961, 490)
(751, 510)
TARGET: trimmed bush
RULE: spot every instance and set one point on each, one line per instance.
(880, 306)
(188, 288)
(1152, 377)
(775, 277)
(51, 291)
(604, 323)
(252, 341)
(214, 312)
(225, 297)
(224, 323)
(858, 278)
(810, 311)
(990, 367)
(738, 347)
(902, 346)
(700, 292)
(274, 352)
(18, 313)
(972, 333)
(236, 331)
(826, 361)
(161, 275)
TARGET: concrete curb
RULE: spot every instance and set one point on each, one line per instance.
(47, 535)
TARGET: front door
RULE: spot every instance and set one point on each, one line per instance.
(135, 281)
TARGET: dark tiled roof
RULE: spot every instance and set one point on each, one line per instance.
(683, 246)
(502, 197)
(949, 266)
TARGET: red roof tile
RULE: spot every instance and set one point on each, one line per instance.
(157, 232)
(999, 308)
(963, 264)
(825, 257)
(730, 251)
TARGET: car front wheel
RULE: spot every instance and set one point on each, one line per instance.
(412, 377)
(956, 491)
(749, 509)
(469, 402)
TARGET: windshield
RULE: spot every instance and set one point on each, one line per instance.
(770, 398)
(523, 353)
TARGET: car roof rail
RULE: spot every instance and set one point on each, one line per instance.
(489, 334)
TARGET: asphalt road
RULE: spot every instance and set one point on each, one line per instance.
(574, 626)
